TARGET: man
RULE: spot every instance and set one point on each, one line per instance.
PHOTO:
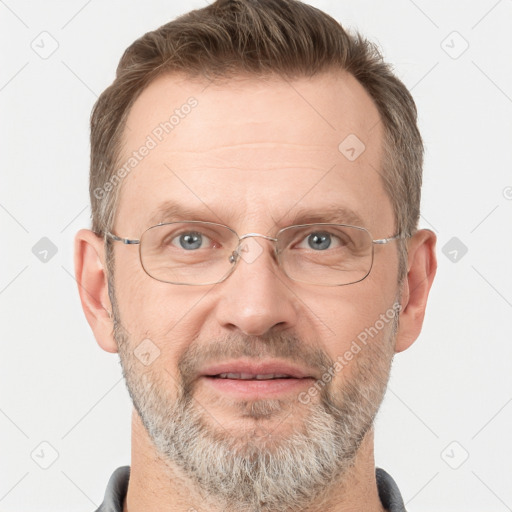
(254, 258)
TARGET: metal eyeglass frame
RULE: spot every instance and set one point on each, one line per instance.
(234, 258)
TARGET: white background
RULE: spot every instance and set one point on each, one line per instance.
(453, 385)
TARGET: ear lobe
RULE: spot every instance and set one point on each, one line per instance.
(422, 266)
(91, 276)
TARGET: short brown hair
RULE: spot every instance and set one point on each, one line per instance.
(259, 37)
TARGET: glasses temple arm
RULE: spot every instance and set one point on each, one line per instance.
(126, 241)
(382, 241)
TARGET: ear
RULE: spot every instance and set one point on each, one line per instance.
(91, 276)
(421, 269)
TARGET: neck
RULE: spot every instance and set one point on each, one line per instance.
(156, 485)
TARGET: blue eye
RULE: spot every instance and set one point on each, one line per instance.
(319, 240)
(189, 241)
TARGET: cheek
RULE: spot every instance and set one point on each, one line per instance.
(146, 305)
(169, 316)
(355, 325)
(348, 313)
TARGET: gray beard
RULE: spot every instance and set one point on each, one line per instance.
(257, 471)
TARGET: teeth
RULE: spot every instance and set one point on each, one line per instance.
(252, 376)
(272, 376)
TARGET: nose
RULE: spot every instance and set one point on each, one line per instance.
(257, 296)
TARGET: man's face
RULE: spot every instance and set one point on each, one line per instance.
(257, 156)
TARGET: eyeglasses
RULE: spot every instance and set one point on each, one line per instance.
(206, 253)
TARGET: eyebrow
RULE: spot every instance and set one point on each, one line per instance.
(333, 214)
(170, 211)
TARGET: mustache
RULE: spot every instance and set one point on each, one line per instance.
(284, 346)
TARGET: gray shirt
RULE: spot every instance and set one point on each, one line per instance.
(115, 494)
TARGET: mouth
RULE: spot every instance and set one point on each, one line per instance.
(246, 379)
(252, 376)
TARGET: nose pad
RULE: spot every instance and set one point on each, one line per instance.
(250, 250)
(233, 257)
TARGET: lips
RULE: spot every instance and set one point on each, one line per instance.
(252, 376)
(249, 370)
(256, 380)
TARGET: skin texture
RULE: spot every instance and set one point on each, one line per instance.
(250, 155)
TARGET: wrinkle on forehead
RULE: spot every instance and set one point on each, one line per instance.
(251, 156)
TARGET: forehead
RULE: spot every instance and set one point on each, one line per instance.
(247, 147)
